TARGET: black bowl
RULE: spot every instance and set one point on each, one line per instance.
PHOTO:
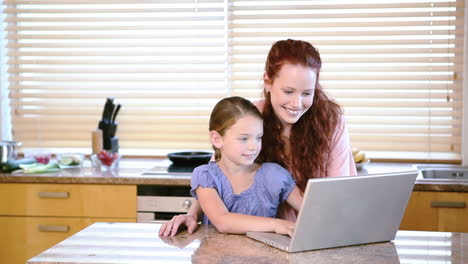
(190, 158)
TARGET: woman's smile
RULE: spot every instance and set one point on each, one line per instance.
(293, 112)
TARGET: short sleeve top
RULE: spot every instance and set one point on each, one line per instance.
(272, 185)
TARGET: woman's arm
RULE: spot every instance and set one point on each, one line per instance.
(235, 223)
(341, 161)
(295, 199)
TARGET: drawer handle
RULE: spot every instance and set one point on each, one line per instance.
(448, 204)
(53, 194)
(46, 228)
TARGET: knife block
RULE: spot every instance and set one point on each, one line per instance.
(109, 140)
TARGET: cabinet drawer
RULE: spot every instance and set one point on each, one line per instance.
(437, 211)
(25, 237)
(68, 200)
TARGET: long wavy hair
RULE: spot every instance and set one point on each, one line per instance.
(226, 113)
(312, 134)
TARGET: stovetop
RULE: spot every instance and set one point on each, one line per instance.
(171, 169)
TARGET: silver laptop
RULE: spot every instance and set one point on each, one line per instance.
(344, 211)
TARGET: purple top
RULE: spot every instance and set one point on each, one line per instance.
(272, 185)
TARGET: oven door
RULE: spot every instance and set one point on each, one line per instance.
(159, 203)
(161, 208)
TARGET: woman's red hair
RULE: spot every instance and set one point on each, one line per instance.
(312, 134)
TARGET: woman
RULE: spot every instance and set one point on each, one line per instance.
(304, 131)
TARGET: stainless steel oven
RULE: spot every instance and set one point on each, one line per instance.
(159, 203)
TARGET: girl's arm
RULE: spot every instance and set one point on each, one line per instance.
(190, 220)
(195, 210)
(295, 199)
(235, 223)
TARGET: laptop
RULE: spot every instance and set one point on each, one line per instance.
(344, 211)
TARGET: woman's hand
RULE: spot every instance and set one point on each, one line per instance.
(284, 227)
(170, 228)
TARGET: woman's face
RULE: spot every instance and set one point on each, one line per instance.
(292, 92)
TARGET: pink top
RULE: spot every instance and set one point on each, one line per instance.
(340, 162)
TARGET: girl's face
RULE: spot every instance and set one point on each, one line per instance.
(242, 142)
(292, 92)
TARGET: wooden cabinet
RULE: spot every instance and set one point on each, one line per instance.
(34, 217)
(436, 211)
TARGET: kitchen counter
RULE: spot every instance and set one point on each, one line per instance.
(131, 172)
(140, 243)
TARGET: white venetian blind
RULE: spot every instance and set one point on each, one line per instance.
(395, 66)
(164, 61)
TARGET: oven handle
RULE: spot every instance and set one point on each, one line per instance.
(186, 204)
(164, 203)
(158, 221)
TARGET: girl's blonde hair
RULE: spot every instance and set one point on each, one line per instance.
(226, 113)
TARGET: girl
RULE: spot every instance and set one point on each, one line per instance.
(235, 193)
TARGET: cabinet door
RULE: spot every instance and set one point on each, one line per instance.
(24, 237)
(73, 200)
(436, 211)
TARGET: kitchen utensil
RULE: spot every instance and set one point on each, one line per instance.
(97, 141)
(114, 114)
(8, 150)
(114, 144)
(190, 158)
(108, 110)
(109, 140)
(109, 126)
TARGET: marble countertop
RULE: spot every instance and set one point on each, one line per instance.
(154, 172)
(130, 171)
(114, 243)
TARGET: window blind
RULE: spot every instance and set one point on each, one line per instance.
(164, 61)
(395, 66)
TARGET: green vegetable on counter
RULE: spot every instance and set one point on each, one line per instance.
(51, 167)
(12, 165)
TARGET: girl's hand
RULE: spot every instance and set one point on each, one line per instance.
(170, 228)
(284, 227)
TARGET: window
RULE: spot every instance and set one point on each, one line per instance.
(395, 66)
